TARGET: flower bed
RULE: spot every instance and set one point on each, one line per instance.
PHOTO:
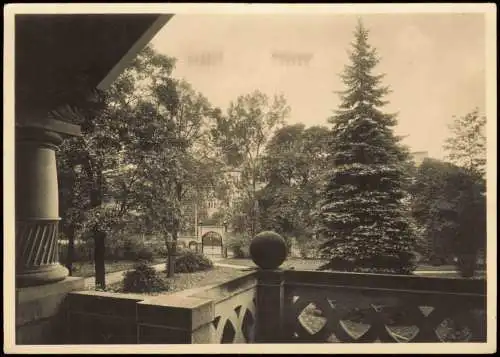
(184, 281)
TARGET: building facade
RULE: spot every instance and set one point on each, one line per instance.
(419, 157)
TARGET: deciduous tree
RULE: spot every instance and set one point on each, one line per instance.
(466, 146)
(293, 169)
(107, 143)
(176, 162)
(241, 136)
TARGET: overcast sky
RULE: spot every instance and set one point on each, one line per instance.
(434, 63)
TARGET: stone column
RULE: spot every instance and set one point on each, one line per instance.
(270, 307)
(37, 207)
(268, 252)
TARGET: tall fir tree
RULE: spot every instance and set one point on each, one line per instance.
(363, 219)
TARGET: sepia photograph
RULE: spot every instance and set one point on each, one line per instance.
(300, 178)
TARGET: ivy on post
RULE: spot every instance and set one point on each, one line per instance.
(268, 251)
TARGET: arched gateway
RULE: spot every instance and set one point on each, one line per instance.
(211, 244)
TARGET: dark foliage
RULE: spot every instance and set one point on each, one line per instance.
(188, 261)
(143, 279)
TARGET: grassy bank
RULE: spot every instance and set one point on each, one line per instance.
(87, 269)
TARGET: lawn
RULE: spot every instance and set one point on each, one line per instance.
(448, 271)
(296, 263)
(87, 269)
(184, 281)
(313, 264)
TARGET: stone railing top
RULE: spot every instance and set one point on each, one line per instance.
(113, 295)
(230, 288)
(385, 282)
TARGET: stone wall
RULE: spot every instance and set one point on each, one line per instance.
(213, 314)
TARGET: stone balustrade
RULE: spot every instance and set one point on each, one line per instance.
(223, 313)
(287, 306)
(359, 308)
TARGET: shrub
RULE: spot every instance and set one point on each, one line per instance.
(181, 244)
(288, 243)
(309, 249)
(404, 263)
(130, 249)
(436, 260)
(467, 265)
(145, 254)
(160, 251)
(193, 246)
(239, 245)
(188, 261)
(143, 279)
(82, 252)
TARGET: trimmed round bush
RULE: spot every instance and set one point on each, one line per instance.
(143, 279)
(268, 250)
(188, 261)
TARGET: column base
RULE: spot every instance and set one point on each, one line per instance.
(41, 275)
(40, 314)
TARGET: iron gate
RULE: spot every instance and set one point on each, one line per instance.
(211, 244)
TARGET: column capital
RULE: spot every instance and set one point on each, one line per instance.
(53, 125)
(26, 135)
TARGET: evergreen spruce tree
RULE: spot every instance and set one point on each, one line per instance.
(363, 217)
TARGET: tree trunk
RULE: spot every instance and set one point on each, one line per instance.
(96, 195)
(71, 249)
(254, 208)
(172, 252)
(255, 217)
(99, 252)
(171, 259)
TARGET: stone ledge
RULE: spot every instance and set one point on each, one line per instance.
(103, 303)
(178, 312)
(221, 292)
